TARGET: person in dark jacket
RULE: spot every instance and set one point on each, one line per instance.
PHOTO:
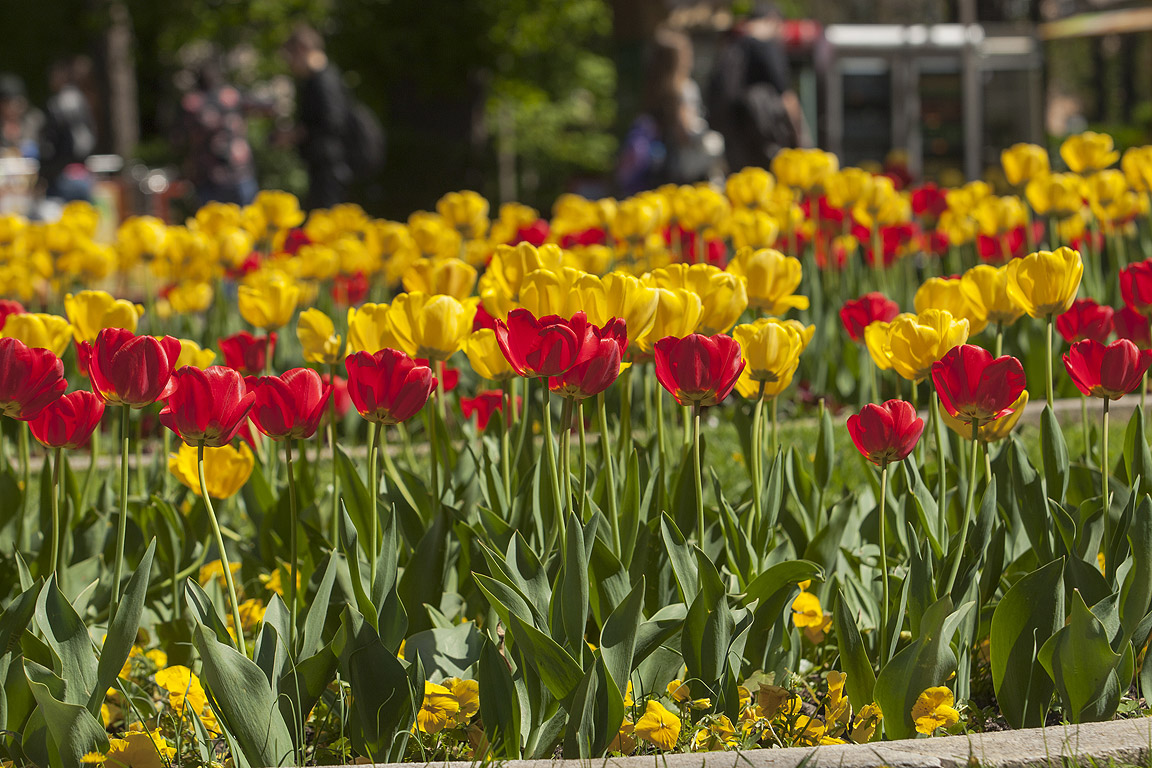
(67, 137)
(322, 109)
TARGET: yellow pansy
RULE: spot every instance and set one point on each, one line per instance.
(37, 329)
(1088, 151)
(658, 726)
(92, 311)
(269, 301)
(226, 469)
(865, 724)
(138, 749)
(485, 357)
(215, 570)
(252, 613)
(467, 695)
(319, 341)
(933, 709)
(1045, 283)
(438, 709)
(717, 734)
(986, 289)
(431, 327)
(1023, 162)
(183, 688)
(369, 329)
(451, 276)
(625, 740)
(772, 279)
(946, 293)
(917, 341)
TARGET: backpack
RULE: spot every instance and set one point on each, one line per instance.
(365, 144)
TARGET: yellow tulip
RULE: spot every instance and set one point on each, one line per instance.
(594, 259)
(191, 354)
(214, 219)
(451, 276)
(750, 228)
(36, 329)
(1058, 194)
(281, 210)
(918, 341)
(369, 329)
(772, 279)
(1023, 162)
(433, 235)
(847, 186)
(804, 169)
(749, 188)
(92, 311)
(466, 211)
(806, 331)
(960, 228)
(1088, 151)
(140, 238)
(81, 216)
(946, 293)
(500, 284)
(1045, 283)
(318, 338)
(431, 327)
(964, 199)
(993, 431)
(320, 261)
(564, 292)
(628, 298)
(995, 214)
(1109, 198)
(678, 313)
(697, 207)
(190, 297)
(636, 218)
(511, 218)
(771, 351)
(723, 295)
(1137, 166)
(878, 340)
(269, 301)
(485, 357)
(226, 469)
(882, 205)
(986, 289)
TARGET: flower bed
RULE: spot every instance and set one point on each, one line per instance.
(584, 522)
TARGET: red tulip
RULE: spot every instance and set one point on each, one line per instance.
(127, 369)
(485, 404)
(1136, 286)
(858, 314)
(1107, 371)
(482, 319)
(30, 379)
(545, 347)
(69, 421)
(929, 201)
(339, 393)
(1130, 324)
(388, 387)
(207, 406)
(246, 353)
(349, 290)
(9, 307)
(595, 374)
(296, 239)
(975, 388)
(1086, 319)
(887, 432)
(698, 370)
(450, 377)
(289, 406)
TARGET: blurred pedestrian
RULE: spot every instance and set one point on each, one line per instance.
(68, 136)
(672, 100)
(214, 132)
(750, 96)
(322, 110)
(19, 123)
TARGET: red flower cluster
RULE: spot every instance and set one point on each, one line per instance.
(246, 353)
(486, 403)
(858, 314)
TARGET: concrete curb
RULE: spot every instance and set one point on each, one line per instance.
(1127, 741)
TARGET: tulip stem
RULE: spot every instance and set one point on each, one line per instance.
(757, 451)
(505, 448)
(1105, 470)
(941, 465)
(584, 492)
(25, 466)
(1084, 423)
(999, 339)
(55, 549)
(660, 426)
(775, 427)
(332, 450)
(293, 547)
(122, 521)
(374, 493)
(625, 411)
(1048, 364)
(883, 565)
(434, 450)
(550, 459)
(606, 451)
(955, 569)
(565, 455)
(236, 621)
(698, 473)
